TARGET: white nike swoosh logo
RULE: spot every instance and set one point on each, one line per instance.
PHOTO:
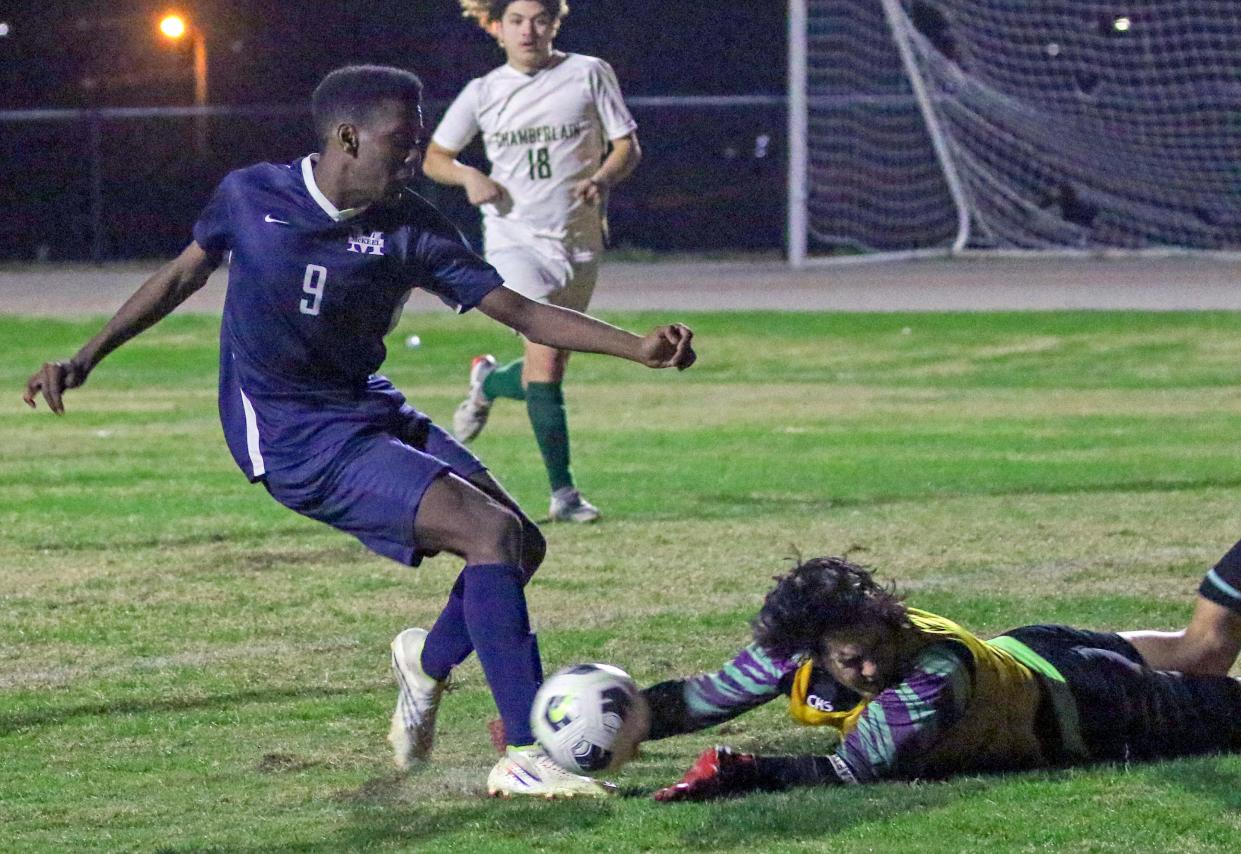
(270, 218)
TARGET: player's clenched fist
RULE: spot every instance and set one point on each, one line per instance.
(588, 190)
(481, 190)
(52, 380)
(669, 347)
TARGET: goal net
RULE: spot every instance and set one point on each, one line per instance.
(934, 126)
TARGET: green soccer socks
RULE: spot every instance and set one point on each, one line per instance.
(545, 406)
(505, 382)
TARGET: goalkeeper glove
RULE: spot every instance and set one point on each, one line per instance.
(718, 772)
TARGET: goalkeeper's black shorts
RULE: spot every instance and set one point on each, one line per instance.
(1128, 711)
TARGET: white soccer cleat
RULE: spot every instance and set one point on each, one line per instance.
(412, 734)
(568, 505)
(530, 771)
(471, 415)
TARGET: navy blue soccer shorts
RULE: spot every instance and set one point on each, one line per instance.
(371, 488)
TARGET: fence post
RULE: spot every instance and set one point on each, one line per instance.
(798, 167)
(96, 187)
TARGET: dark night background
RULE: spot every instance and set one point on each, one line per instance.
(712, 178)
(263, 52)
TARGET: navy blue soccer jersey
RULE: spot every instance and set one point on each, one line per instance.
(312, 291)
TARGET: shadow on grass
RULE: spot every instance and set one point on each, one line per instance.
(387, 821)
(628, 823)
(720, 505)
(814, 816)
(387, 816)
(1206, 780)
(11, 723)
(112, 541)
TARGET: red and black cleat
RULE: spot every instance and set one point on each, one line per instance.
(718, 772)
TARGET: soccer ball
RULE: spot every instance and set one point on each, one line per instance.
(580, 714)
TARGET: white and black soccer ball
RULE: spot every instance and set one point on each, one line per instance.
(579, 716)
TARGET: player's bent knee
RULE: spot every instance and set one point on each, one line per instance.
(497, 539)
(1210, 653)
(1214, 634)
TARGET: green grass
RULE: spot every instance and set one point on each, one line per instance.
(187, 666)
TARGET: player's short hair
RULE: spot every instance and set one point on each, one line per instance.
(487, 11)
(352, 94)
(820, 596)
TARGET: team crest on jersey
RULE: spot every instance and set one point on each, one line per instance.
(367, 243)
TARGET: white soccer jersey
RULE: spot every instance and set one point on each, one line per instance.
(543, 133)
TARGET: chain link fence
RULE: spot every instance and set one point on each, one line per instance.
(117, 184)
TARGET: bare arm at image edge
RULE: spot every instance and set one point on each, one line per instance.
(170, 286)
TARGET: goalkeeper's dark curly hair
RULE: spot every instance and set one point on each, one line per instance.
(820, 596)
(486, 12)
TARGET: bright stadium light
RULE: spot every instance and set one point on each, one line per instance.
(176, 27)
(4, 29)
(172, 26)
(1122, 25)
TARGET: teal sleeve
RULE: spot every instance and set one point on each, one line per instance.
(750, 679)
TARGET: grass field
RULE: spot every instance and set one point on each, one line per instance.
(187, 666)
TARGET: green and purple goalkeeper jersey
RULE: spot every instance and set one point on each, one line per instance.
(1036, 696)
(752, 678)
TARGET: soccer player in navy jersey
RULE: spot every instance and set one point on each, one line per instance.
(324, 253)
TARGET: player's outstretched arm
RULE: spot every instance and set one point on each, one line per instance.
(170, 286)
(668, 346)
(749, 679)
(442, 167)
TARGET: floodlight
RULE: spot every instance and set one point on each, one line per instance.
(172, 26)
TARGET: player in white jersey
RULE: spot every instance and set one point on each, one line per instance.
(558, 136)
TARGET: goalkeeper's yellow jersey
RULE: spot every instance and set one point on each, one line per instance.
(965, 705)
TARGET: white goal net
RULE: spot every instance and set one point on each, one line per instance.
(932, 126)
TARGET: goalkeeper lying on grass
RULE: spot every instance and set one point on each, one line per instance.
(915, 695)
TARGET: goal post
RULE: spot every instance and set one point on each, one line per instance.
(936, 127)
(798, 150)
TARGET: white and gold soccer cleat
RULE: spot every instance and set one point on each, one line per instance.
(530, 771)
(412, 734)
(471, 415)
